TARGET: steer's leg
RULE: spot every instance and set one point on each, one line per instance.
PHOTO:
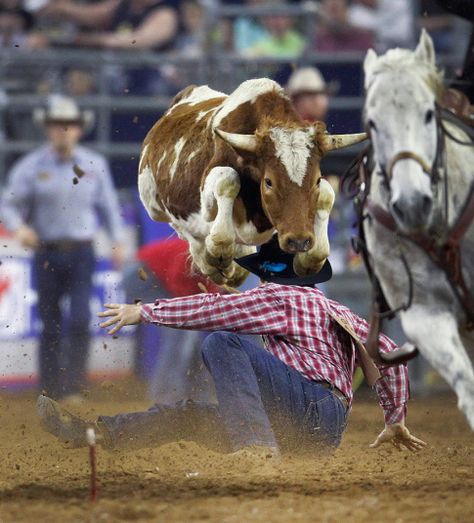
(312, 261)
(221, 187)
(240, 274)
(436, 335)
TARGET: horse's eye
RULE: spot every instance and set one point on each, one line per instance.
(372, 125)
(429, 116)
(268, 183)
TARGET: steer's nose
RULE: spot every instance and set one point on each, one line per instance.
(294, 244)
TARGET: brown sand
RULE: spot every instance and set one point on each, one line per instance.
(41, 481)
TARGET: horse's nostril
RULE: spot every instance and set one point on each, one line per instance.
(426, 205)
(396, 209)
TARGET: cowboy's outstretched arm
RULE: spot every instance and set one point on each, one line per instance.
(393, 392)
(256, 311)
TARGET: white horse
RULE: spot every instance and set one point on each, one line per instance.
(415, 162)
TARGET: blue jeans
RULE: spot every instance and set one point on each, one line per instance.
(58, 273)
(261, 401)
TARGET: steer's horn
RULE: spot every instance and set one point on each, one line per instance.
(331, 142)
(244, 142)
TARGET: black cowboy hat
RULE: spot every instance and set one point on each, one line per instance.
(272, 264)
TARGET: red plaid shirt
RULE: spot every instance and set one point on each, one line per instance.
(297, 328)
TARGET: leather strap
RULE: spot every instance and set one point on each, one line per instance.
(447, 256)
(370, 370)
(381, 215)
(464, 220)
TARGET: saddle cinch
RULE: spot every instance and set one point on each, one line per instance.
(458, 103)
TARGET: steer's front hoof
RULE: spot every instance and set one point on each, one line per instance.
(220, 255)
(239, 276)
(220, 262)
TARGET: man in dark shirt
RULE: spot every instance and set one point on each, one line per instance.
(121, 24)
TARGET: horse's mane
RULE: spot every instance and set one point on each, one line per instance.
(400, 60)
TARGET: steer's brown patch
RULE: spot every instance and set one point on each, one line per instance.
(290, 205)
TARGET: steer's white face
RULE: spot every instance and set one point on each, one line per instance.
(289, 185)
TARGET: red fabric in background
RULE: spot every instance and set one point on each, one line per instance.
(170, 262)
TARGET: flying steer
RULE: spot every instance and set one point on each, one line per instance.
(227, 171)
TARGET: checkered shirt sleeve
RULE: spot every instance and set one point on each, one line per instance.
(393, 389)
(256, 311)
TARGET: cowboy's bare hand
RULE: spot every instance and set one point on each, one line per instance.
(399, 436)
(121, 315)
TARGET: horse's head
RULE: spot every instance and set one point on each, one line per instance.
(400, 112)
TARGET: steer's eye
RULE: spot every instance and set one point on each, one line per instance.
(268, 183)
(429, 116)
(372, 125)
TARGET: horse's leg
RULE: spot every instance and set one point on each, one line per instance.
(437, 336)
(221, 187)
(312, 261)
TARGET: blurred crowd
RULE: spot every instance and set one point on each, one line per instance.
(185, 26)
(190, 28)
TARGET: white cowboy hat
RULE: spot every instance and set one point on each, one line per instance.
(63, 109)
(309, 80)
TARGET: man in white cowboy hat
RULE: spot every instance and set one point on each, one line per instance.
(310, 93)
(51, 203)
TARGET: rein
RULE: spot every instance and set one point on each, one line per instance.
(446, 255)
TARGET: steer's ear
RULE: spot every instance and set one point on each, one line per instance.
(331, 142)
(240, 142)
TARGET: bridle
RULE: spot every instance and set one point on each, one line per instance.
(356, 183)
(409, 155)
(435, 170)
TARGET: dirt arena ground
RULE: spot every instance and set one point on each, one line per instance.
(42, 482)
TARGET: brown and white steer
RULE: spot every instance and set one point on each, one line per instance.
(227, 171)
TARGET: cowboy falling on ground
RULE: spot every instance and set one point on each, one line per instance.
(293, 393)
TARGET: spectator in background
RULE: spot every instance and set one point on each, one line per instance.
(163, 268)
(395, 24)
(191, 41)
(124, 24)
(392, 21)
(120, 24)
(79, 82)
(438, 23)
(363, 14)
(310, 93)
(248, 32)
(17, 27)
(334, 31)
(51, 202)
(282, 39)
(464, 9)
